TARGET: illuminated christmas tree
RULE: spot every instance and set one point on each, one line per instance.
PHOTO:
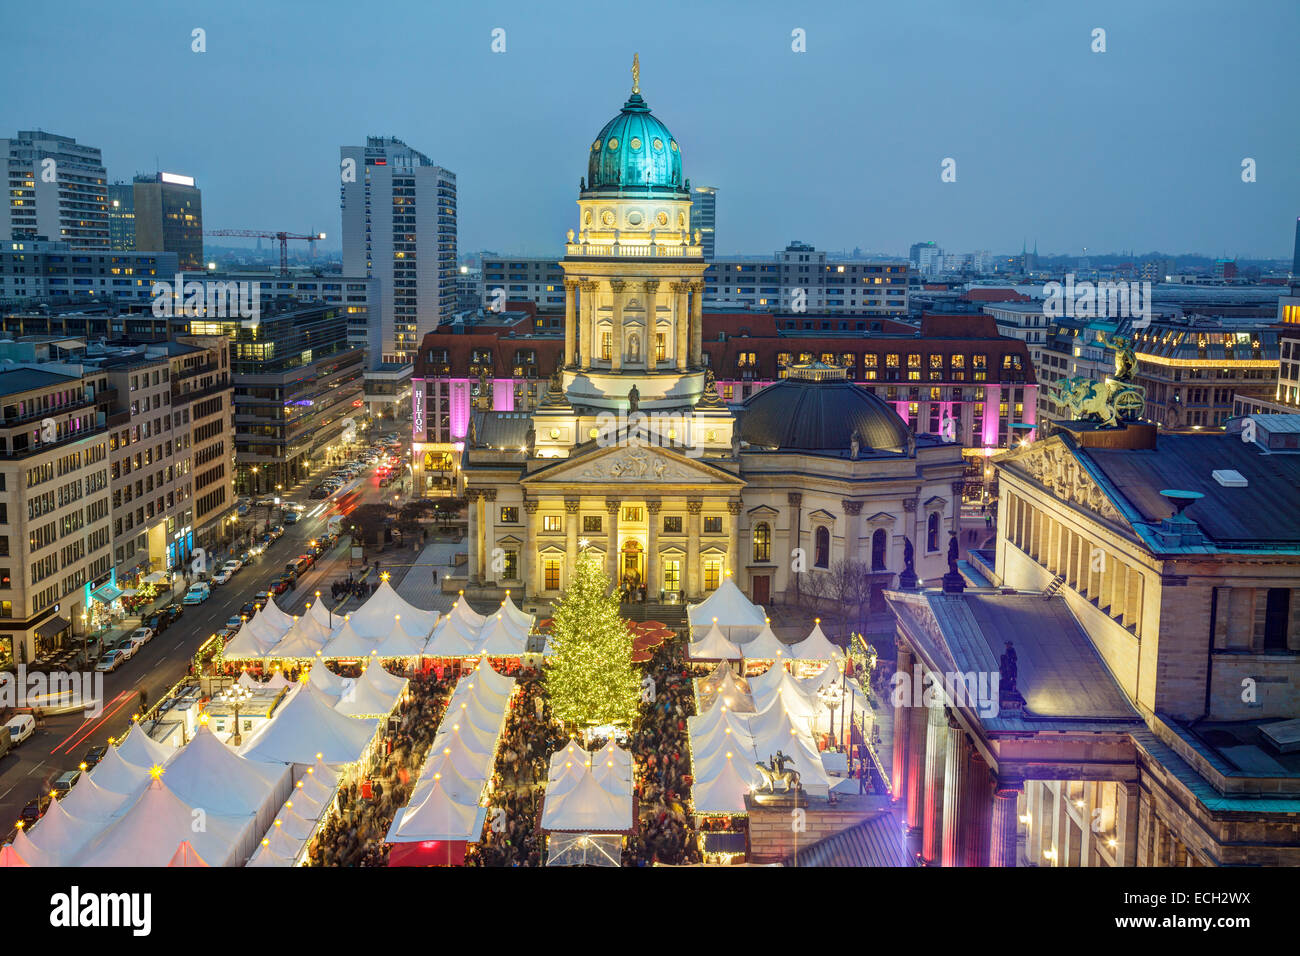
(590, 677)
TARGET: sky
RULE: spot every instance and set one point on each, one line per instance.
(841, 145)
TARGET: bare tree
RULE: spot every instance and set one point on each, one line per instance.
(850, 585)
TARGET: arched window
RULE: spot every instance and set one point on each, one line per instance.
(762, 542)
(932, 532)
(823, 539)
(879, 542)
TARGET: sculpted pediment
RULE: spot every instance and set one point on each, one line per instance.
(1055, 467)
(633, 464)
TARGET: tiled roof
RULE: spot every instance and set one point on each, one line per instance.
(874, 842)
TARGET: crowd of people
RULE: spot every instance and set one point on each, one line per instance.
(353, 588)
(664, 833)
(365, 811)
(511, 836)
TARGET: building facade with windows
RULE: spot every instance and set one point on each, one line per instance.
(55, 188)
(615, 436)
(168, 217)
(32, 269)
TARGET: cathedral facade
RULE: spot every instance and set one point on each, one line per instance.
(633, 453)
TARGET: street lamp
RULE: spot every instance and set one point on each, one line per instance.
(236, 695)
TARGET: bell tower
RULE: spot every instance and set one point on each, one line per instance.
(634, 287)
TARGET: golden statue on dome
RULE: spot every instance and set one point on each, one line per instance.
(636, 73)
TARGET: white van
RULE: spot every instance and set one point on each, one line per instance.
(21, 727)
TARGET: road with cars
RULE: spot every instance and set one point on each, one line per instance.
(61, 742)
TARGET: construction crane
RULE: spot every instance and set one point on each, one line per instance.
(283, 237)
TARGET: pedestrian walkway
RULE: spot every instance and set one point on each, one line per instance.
(414, 583)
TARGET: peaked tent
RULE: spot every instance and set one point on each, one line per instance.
(306, 724)
(114, 773)
(302, 641)
(518, 618)
(724, 790)
(373, 694)
(142, 750)
(588, 808)
(60, 837)
(9, 857)
(714, 646)
(501, 638)
(729, 606)
(348, 643)
(159, 821)
(277, 682)
(381, 611)
(766, 646)
(186, 855)
(249, 644)
(206, 773)
(275, 618)
(29, 852)
(441, 815)
(816, 647)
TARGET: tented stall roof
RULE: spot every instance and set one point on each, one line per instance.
(148, 833)
(729, 606)
(714, 646)
(816, 647)
(306, 724)
(373, 694)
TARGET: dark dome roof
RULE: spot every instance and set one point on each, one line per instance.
(812, 415)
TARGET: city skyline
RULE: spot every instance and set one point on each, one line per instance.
(987, 98)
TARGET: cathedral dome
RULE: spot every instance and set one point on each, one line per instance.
(817, 409)
(635, 152)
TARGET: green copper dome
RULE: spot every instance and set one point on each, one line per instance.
(635, 152)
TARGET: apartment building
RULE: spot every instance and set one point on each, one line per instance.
(34, 269)
(55, 187)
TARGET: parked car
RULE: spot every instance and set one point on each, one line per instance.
(93, 756)
(242, 510)
(233, 564)
(280, 586)
(155, 623)
(290, 517)
(33, 810)
(319, 492)
(65, 781)
(267, 502)
(127, 648)
(277, 530)
(261, 596)
(21, 727)
(171, 612)
(197, 594)
(110, 662)
(142, 635)
(222, 576)
(234, 621)
(248, 610)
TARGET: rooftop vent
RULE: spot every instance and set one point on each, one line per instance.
(1229, 478)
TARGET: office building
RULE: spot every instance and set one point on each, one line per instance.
(121, 217)
(169, 217)
(34, 270)
(399, 226)
(704, 213)
(55, 188)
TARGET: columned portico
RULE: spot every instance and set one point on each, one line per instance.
(571, 508)
(619, 335)
(734, 561)
(956, 811)
(1006, 796)
(693, 508)
(680, 290)
(612, 506)
(588, 346)
(697, 324)
(651, 287)
(531, 570)
(570, 321)
(902, 728)
(653, 585)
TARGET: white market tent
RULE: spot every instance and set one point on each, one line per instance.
(500, 637)
(736, 613)
(89, 801)
(28, 852)
(373, 694)
(114, 773)
(714, 646)
(724, 791)
(347, 643)
(588, 807)
(206, 773)
(766, 646)
(142, 750)
(440, 815)
(9, 857)
(816, 647)
(303, 641)
(275, 619)
(248, 643)
(453, 637)
(376, 618)
(521, 620)
(186, 855)
(306, 724)
(723, 685)
(794, 699)
(147, 834)
(59, 836)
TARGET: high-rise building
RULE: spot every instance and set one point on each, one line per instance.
(169, 217)
(704, 210)
(399, 225)
(121, 217)
(54, 188)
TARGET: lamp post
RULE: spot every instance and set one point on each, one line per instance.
(236, 695)
(831, 697)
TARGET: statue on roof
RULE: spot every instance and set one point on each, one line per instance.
(855, 443)
(952, 555)
(633, 399)
(1007, 670)
(909, 555)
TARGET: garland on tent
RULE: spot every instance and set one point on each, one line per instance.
(590, 677)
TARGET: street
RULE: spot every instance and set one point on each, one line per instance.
(60, 743)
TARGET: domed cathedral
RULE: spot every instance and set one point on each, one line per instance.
(633, 453)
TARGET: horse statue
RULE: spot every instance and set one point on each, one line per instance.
(774, 771)
(1086, 399)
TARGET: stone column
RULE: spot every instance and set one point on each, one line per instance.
(652, 586)
(919, 718)
(534, 582)
(979, 798)
(1002, 837)
(936, 753)
(587, 346)
(795, 500)
(1126, 823)
(612, 506)
(681, 323)
(910, 531)
(570, 321)
(852, 529)
(473, 498)
(571, 506)
(955, 810)
(489, 535)
(619, 287)
(697, 324)
(902, 724)
(733, 540)
(693, 508)
(651, 313)
(955, 524)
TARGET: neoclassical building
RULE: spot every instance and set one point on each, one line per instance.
(632, 452)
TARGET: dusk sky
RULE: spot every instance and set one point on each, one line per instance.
(1140, 147)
